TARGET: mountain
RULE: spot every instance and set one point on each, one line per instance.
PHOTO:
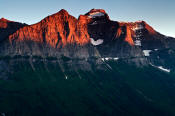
(91, 32)
(86, 66)
(8, 27)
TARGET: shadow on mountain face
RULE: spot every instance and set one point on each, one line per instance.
(10, 29)
(46, 88)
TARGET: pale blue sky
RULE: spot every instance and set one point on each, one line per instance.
(160, 14)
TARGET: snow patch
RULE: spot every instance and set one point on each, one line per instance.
(161, 68)
(107, 58)
(96, 14)
(155, 49)
(110, 58)
(138, 43)
(97, 42)
(164, 69)
(116, 58)
(147, 52)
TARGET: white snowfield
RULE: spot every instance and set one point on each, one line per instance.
(97, 42)
(164, 69)
(116, 58)
(96, 14)
(138, 43)
(161, 68)
(156, 49)
(66, 77)
(107, 58)
(110, 58)
(147, 52)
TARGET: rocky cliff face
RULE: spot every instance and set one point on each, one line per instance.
(91, 35)
(8, 27)
(86, 66)
(56, 30)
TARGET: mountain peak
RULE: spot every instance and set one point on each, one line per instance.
(61, 29)
(139, 25)
(97, 13)
(97, 10)
(4, 23)
(4, 20)
(149, 28)
(53, 19)
(63, 11)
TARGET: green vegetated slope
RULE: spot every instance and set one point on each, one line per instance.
(120, 90)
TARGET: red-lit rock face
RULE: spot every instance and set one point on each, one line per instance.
(131, 29)
(3, 23)
(118, 33)
(129, 36)
(149, 28)
(61, 29)
(57, 30)
(8, 27)
(97, 10)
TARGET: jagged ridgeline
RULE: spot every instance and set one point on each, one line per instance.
(90, 66)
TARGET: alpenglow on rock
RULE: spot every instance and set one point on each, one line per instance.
(92, 34)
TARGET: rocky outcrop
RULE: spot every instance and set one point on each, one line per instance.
(91, 35)
(56, 30)
(8, 27)
(61, 29)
